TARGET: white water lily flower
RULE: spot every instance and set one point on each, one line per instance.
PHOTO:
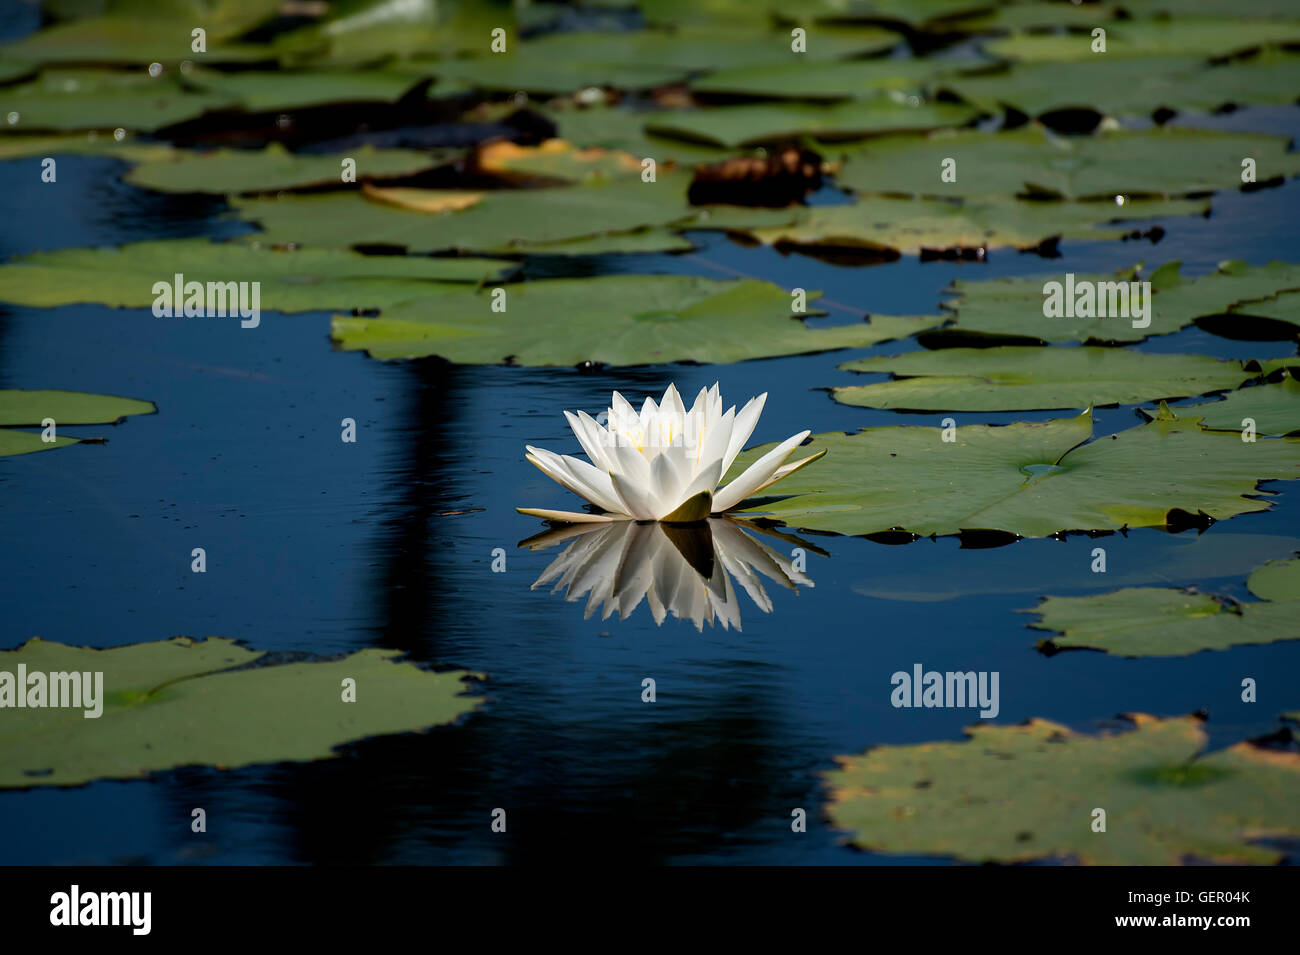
(664, 463)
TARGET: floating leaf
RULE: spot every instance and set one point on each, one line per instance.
(30, 408)
(1030, 160)
(1014, 307)
(732, 126)
(556, 159)
(837, 79)
(271, 169)
(1015, 793)
(1133, 87)
(1150, 38)
(502, 221)
(1275, 409)
(142, 38)
(179, 702)
(1280, 308)
(21, 407)
(1163, 622)
(302, 280)
(1029, 478)
(102, 99)
(92, 143)
(615, 320)
(263, 91)
(624, 130)
(911, 226)
(1014, 378)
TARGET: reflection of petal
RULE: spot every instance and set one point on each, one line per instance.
(683, 570)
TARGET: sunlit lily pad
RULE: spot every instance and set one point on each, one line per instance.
(1133, 87)
(1150, 38)
(749, 124)
(1014, 306)
(179, 703)
(102, 99)
(273, 168)
(1029, 478)
(616, 320)
(24, 408)
(1032, 161)
(1274, 409)
(910, 226)
(1015, 378)
(1016, 793)
(1280, 308)
(300, 280)
(1163, 621)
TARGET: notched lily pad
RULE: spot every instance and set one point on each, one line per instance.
(1164, 621)
(28, 408)
(293, 280)
(1018, 793)
(615, 320)
(181, 702)
(1015, 378)
(908, 478)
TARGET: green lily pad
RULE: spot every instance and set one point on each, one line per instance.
(1280, 308)
(22, 408)
(1032, 161)
(607, 127)
(375, 31)
(541, 74)
(102, 99)
(1029, 478)
(644, 240)
(301, 280)
(1275, 409)
(30, 408)
(141, 39)
(750, 124)
(832, 80)
(615, 320)
(1016, 793)
(1150, 38)
(1014, 307)
(262, 91)
(92, 143)
(1133, 87)
(911, 226)
(500, 222)
(1163, 621)
(273, 168)
(1015, 378)
(179, 703)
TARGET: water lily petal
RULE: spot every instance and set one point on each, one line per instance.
(578, 476)
(757, 474)
(570, 517)
(744, 427)
(636, 501)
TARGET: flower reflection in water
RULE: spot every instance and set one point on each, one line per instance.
(683, 569)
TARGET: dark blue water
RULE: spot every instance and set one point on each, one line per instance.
(320, 546)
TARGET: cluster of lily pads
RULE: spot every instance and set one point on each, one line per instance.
(474, 149)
